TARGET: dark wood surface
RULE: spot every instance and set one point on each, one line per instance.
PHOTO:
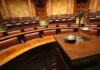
(12, 52)
(88, 47)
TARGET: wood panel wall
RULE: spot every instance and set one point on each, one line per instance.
(21, 8)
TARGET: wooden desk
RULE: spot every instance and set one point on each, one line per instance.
(76, 56)
(98, 31)
(22, 33)
(90, 46)
(12, 52)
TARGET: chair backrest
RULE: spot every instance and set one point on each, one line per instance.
(41, 27)
(74, 25)
(8, 43)
(66, 30)
(92, 32)
(49, 32)
(63, 25)
(86, 25)
(93, 26)
(1, 35)
(51, 26)
(14, 32)
(31, 36)
(18, 24)
(28, 29)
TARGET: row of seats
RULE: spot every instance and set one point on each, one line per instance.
(44, 27)
(18, 19)
(11, 23)
(15, 40)
(35, 35)
(11, 42)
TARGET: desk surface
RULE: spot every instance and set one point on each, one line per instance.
(90, 46)
(12, 52)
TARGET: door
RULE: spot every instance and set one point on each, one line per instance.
(40, 8)
(81, 4)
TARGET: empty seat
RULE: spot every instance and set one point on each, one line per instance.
(1, 35)
(49, 32)
(26, 22)
(51, 26)
(41, 27)
(8, 43)
(14, 32)
(66, 30)
(29, 29)
(74, 25)
(63, 26)
(8, 25)
(31, 36)
(92, 32)
(93, 26)
(17, 23)
(86, 25)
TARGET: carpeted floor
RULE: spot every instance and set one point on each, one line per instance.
(44, 61)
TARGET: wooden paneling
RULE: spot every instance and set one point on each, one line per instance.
(80, 5)
(40, 8)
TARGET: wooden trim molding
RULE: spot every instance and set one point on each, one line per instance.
(69, 6)
(95, 5)
(5, 8)
(48, 7)
(30, 8)
(50, 10)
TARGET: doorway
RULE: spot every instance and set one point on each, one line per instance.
(40, 8)
(81, 4)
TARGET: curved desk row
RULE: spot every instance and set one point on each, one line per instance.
(12, 52)
(22, 33)
(38, 30)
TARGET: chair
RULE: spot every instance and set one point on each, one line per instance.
(28, 29)
(49, 32)
(86, 25)
(92, 32)
(17, 24)
(66, 30)
(93, 26)
(26, 23)
(63, 26)
(31, 36)
(1, 35)
(14, 32)
(74, 25)
(41, 27)
(51, 26)
(8, 25)
(8, 43)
